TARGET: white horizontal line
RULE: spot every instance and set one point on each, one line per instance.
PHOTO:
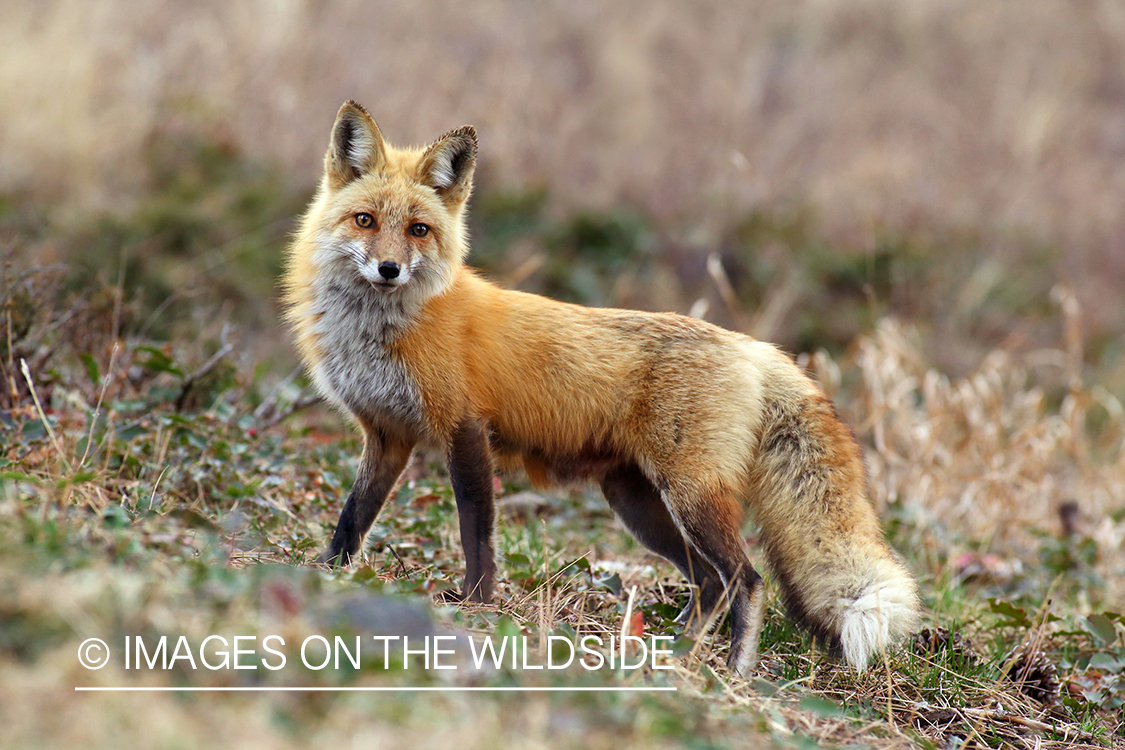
(406, 689)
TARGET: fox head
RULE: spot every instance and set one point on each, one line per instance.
(393, 218)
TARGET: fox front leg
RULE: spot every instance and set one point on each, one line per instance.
(384, 459)
(470, 469)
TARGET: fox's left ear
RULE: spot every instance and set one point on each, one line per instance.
(447, 165)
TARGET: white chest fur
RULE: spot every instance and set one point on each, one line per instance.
(356, 370)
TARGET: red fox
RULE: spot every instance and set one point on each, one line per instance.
(680, 422)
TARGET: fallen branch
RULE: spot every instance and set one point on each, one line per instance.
(269, 403)
(1067, 731)
(945, 714)
(302, 402)
(209, 365)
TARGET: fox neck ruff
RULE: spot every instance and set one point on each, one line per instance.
(355, 323)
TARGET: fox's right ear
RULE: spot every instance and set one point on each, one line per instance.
(356, 148)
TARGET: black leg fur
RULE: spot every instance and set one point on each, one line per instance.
(638, 504)
(382, 463)
(470, 469)
(716, 536)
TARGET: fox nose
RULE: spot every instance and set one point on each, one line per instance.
(388, 269)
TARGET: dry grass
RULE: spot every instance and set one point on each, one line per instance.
(1009, 449)
(1004, 121)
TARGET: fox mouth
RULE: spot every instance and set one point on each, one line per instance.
(385, 287)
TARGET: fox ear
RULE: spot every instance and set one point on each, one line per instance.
(447, 165)
(357, 146)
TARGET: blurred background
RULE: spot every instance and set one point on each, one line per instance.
(948, 162)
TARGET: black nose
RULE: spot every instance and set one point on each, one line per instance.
(388, 269)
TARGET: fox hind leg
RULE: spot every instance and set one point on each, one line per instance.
(638, 504)
(711, 522)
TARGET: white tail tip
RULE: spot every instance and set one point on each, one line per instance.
(883, 614)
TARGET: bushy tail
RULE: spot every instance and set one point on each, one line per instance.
(821, 536)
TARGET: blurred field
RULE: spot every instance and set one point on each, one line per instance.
(922, 201)
(991, 134)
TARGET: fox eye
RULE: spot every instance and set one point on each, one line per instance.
(419, 230)
(364, 221)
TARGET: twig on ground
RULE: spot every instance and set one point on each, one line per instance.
(209, 365)
(39, 408)
(1041, 726)
(988, 714)
(270, 401)
(302, 402)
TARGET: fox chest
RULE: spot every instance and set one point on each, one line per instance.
(356, 369)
